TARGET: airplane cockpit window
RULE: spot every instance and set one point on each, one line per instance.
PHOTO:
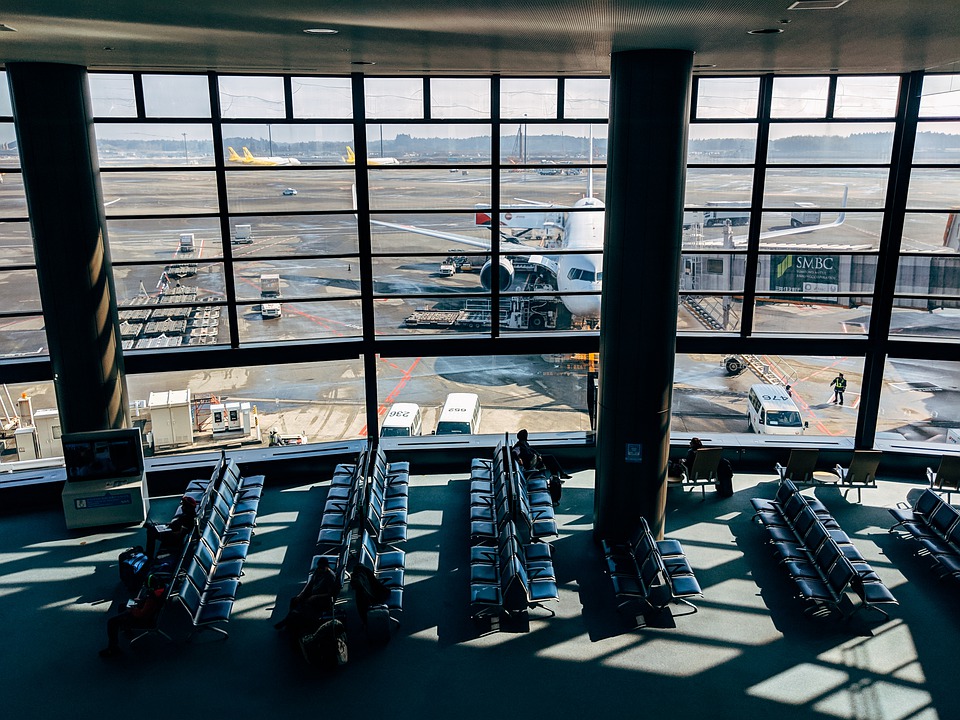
(585, 275)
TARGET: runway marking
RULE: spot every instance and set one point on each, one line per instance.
(391, 398)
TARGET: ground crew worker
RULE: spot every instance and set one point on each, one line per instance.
(838, 385)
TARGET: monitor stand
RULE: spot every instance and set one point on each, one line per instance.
(112, 501)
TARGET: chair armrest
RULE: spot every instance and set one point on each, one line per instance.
(931, 476)
(781, 471)
(841, 472)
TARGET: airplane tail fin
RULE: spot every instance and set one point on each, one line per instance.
(247, 155)
(843, 206)
(351, 158)
(232, 155)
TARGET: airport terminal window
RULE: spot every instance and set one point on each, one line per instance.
(6, 108)
(297, 403)
(534, 98)
(866, 96)
(284, 145)
(112, 95)
(586, 98)
(393, 98)
(919, 401)
(940, 96)
(290, 224)
(734, 98)
(718, 144)
(701, 311)
(543, 393)
(799, 97)
(711, 393)
(154, 144)
(429, 144)
(251, 96)
(322, 97)
(459, 98)
(176, 96)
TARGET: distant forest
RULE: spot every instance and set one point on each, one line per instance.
(857, 147)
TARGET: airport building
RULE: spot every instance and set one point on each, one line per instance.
(267, 234)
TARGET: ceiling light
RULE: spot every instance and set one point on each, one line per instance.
(817, 4)
(765, 31)
(702, 66)
(321, 31)
(362, 62)
(7, 28)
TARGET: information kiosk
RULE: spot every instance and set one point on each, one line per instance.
(106, 483)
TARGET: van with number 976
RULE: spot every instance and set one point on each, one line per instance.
(772, 411)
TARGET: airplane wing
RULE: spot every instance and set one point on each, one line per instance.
(454, 237)
(768, 234)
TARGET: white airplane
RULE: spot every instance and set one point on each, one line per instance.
(251, 159)
(351, 159)
(576, 272)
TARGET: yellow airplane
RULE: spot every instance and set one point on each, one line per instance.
(250, 159)
(351, 159)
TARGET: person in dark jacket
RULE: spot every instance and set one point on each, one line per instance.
(695, 444)
(530, 459)
(314, 602)
(171, 536)
(143, 614)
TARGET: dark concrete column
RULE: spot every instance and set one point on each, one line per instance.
(58, 151)
(646, 170)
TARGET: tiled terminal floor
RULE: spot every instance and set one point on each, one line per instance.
(748, 653)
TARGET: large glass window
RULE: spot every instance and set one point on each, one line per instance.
(234, 223)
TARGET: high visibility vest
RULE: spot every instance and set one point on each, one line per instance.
(841, 384)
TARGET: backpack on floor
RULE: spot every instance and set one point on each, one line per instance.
(724, 478)
(134, 565)
(556, 489)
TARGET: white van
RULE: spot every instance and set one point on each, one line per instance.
(771, 411)
(403, 420)
(460, 415)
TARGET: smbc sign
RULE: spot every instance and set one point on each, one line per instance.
(805, 273)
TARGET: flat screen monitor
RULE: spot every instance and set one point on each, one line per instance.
(103, 454)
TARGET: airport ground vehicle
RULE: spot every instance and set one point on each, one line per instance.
(805, 214)
(516, 313)
(719, 217)
(187, 243)
(270, 310)
(771, 411)
(289, 191)
(243, 235)
(270, 286)
(460, 415)
(403, 420)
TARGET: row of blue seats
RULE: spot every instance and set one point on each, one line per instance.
(647, 573)
(821, 560)
(935, 524)
(509, 574)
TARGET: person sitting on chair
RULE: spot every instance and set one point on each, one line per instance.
(530, 459)
(695, 444)
(173, 534)
(143, 614)
(314, 602)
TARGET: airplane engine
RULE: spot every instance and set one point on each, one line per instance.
(505, 274)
